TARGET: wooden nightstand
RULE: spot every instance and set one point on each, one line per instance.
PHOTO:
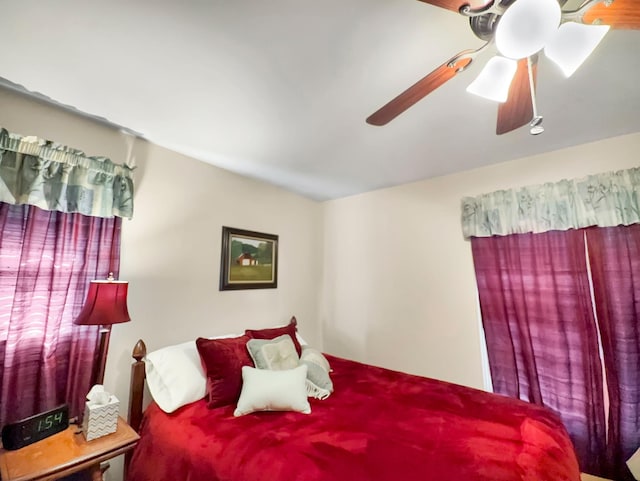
(64, 454)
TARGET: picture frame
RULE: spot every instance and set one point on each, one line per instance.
(249, 260)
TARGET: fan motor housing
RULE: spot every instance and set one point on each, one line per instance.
(484, 25)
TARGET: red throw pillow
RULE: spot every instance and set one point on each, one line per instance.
(222, 360)
(274, 332)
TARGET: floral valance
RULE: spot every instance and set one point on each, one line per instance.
(604, 200)
(55, 177)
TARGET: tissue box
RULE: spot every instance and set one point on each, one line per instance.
(100, 420)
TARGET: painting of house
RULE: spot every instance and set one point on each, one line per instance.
(246, 259)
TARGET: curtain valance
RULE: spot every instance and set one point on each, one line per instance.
(605, 200)
(56, 177)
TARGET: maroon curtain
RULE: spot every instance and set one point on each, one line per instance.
(47, 259)
(540, 331)
(615, 265)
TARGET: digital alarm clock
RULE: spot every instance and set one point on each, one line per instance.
(35, 428)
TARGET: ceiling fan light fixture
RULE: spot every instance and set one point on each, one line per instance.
(573, 43)
(494, 80)
(526, 26)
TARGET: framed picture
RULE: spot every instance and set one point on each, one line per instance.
(249, 260)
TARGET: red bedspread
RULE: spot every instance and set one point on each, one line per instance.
(379, 425)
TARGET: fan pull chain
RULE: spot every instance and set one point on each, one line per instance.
(536, 122)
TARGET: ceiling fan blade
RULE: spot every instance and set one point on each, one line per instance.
(622, 14)
(422, 88)
(518, 109)
(456, 5)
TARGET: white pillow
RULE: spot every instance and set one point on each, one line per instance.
(265, 390)
(175, 376)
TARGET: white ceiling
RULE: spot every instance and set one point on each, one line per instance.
(280, 89)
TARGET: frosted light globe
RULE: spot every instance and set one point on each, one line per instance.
(495, 79)
(526, 26)
(573, 43)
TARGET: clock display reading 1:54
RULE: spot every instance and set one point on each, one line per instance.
(35, 428)
(51, 421)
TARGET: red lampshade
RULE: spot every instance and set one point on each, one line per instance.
(106, 303)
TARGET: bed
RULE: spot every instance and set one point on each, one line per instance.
(377, 425)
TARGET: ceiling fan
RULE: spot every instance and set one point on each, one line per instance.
(520, 30)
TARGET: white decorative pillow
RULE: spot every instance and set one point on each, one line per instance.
(319, 384)
(175, 376)
(275, 354)
(266, 390)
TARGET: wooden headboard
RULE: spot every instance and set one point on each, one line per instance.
(136, 394)
(136, 389)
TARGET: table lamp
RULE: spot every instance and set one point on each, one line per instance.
(106, 305)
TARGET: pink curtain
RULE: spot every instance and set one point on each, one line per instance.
(615, 265)
(540, 331)
(47, 259)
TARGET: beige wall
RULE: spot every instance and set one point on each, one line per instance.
(171, 257)
(399, 288)
(171, 248)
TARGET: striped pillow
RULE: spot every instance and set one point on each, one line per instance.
(319, 383)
